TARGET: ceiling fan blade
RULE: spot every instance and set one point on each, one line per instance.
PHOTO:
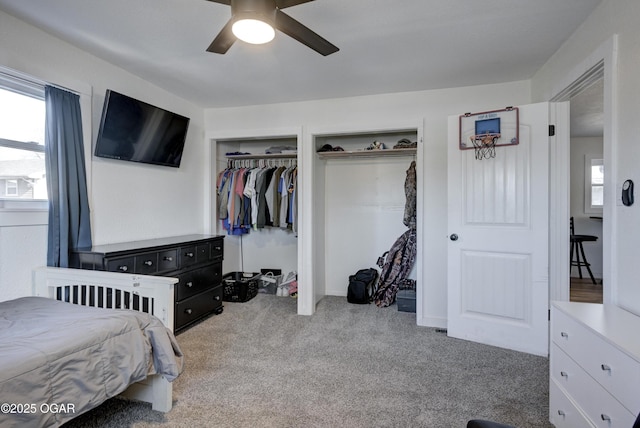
(304, 35)
(288, 3)
(227, 2)
(223, 40)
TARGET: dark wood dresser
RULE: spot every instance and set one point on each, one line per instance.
(196, 260)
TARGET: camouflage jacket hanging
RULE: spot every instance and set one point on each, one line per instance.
(395, 267)
(410, 191)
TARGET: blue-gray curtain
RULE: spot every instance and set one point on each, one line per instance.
(69, 220)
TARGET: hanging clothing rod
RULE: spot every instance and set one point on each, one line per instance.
(263, 156)
(260, 162)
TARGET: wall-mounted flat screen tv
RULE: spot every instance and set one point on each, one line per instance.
(135, 131)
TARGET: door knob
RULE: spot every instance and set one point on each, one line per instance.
(453, 237)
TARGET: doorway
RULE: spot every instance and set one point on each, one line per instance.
(586, 201)
(601, 64)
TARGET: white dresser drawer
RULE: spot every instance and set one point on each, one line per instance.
(596, 402)
(614, 370)
(562, 411)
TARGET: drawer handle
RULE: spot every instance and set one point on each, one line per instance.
(605, 417)
(217, 248)
(188, 311)
(189, 284)
(605, 368)
(168, 259)
(148, 262)
(189, 254)
(561, 412)
(565, 335)
(216, 298)
(564, 374)
(123, 268)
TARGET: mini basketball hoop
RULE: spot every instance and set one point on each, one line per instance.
(484, 145)
(485, 131)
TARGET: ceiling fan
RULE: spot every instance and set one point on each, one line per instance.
(265, 14)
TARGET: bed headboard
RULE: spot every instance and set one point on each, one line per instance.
(144, 293)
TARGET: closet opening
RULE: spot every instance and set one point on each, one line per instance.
(255, 206)
(359, 203)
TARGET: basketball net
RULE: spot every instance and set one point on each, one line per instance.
(485, 146)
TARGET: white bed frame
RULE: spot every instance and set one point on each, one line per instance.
(111, 289)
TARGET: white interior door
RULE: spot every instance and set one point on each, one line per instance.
(498, 265)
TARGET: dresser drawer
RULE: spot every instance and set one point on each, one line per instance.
(217, 249)
(597, 403)
(562, 412)
(122, 264)
(203, 253)
(195, 307)
(187, 256)
(197, 280)
(610, 367)
(147, 263)
(167, 260)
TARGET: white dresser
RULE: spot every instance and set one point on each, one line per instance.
(594, 366)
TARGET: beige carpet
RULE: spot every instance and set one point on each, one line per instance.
(258, 364)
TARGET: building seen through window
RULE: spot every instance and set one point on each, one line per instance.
(22, 124)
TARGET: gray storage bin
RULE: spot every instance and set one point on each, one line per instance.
(406, 300)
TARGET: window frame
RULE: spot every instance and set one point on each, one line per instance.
(16, 82)
(11, 187)
(35, 212)
(589, 162)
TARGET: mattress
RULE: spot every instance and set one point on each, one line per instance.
(58, 360)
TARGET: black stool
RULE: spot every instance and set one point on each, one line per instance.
(577, 249)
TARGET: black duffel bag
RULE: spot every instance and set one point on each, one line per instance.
(362, 286)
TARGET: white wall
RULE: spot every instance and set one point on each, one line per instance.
(611, 17)
(584, 224)
(431, 108)
(128, 201)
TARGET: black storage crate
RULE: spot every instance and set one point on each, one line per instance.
(239, 286)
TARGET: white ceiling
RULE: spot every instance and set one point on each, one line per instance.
(587, 111)
(385, 46)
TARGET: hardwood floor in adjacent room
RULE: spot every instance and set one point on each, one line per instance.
(583, 290)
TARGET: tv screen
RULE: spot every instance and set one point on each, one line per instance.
(135, 131)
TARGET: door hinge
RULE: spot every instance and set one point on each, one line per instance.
(552, 130)
(549, 315)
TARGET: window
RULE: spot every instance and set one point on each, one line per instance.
(594, 184)
(22, 166)
(12, 188)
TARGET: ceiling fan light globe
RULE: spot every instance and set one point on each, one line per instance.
(253, 31)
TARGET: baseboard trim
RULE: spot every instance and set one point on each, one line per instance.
(438, 322)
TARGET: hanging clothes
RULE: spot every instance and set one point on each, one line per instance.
(293, 201)
(396, 267)
(252, 198)
(261, 187)
(275, 196)
(410, 190)
(401, 257)
(256, 197)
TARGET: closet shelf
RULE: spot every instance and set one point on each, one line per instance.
(367, 153)
(264, 156)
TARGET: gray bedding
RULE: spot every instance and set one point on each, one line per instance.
(58, 360)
